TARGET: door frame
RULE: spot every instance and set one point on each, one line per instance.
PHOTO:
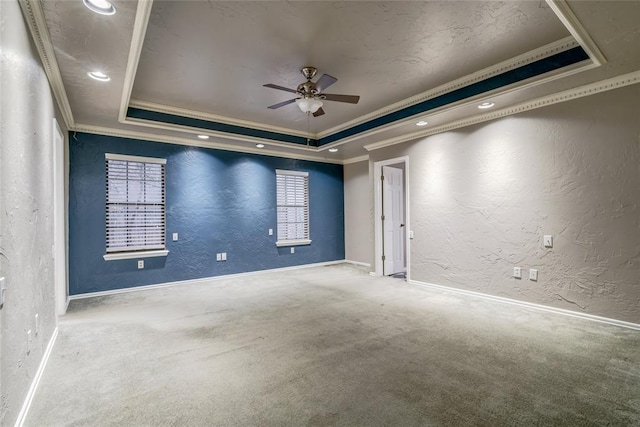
(59, 230)
(377, 215)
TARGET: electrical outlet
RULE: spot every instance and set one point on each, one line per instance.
(224, 256)
(293, 250)
(2, 292)
(548, 241)
(271, 232)
(218, 257)
(140, 263)
(517, 272)
(533, 275)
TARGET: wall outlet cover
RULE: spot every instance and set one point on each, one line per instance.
(140, 263)
(293, 250)
(533, 274)
(517, 272)
(175, 237)
(2, 292)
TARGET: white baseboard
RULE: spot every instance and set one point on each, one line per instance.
(362, 264)
(36, 380)
(201, 280)
(541, 307)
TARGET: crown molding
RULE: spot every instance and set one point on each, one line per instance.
(554, 75)
(237, 137)
(34, 15)
(145, 136)
(178, 111)
(567, 95)
(575, 28)
(143, 12)
(356, 159)
(510, 64)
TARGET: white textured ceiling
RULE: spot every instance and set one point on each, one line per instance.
(213, 57)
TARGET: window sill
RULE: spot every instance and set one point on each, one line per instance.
(293, 243)
(130, 255)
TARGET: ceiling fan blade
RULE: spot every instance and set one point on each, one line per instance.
(324, 82)
(351, 99)
(282, 104)
(286, 89)
(320, 112)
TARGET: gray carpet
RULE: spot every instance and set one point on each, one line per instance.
(332, 346)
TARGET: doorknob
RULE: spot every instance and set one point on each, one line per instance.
(401, 225)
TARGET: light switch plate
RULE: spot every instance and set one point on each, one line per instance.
(517, 272)
(175, 237)
(271, 232)
(218, 257)
(293, 250)
(411, 234)
(224, 256)
(533, 274)
(548, 241)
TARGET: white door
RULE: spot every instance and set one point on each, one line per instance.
(59, 241)
(393, 223)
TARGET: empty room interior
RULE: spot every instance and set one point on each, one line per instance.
(319, 213)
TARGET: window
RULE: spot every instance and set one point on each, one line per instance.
(135, 205)
(292, 188)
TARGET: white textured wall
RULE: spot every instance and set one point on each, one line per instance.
(26, 209)
(483, 197)
(358, 213)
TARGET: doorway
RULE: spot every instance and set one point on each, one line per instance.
(392, 217)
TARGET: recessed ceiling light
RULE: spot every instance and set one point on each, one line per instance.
(260, 145)
(333, 150)
(103, 7)
(486, 105)
(203, 136)
(422, 123)
(99, 75)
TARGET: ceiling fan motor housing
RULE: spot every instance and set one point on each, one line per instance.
(307, 88)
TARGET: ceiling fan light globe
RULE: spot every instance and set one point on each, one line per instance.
(309, 105)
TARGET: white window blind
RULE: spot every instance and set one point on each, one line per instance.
(293, 207)
(135, 203)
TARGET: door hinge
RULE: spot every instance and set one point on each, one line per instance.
(381, 177)
(384, 257)
(382, 217)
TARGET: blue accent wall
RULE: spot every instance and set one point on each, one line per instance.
(217, 201)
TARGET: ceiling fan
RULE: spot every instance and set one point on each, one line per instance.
(310, 94)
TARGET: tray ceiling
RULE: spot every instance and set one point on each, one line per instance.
(206, 62)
